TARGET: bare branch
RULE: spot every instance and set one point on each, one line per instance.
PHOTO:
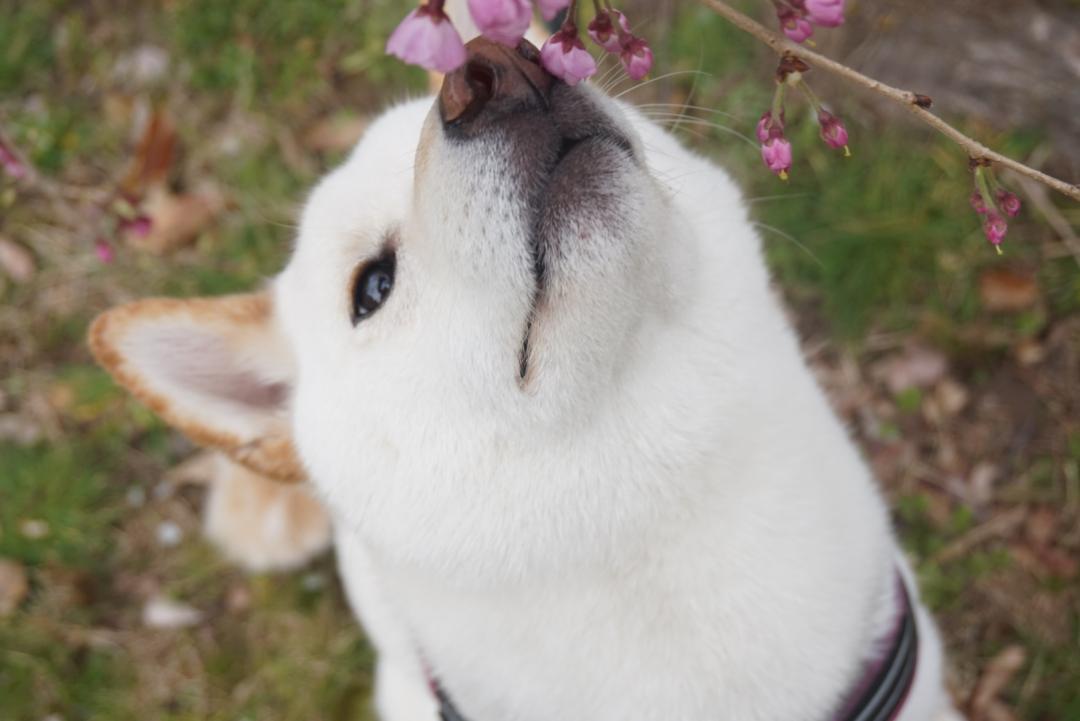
(916, 104)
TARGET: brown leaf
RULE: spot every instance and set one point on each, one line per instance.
(13, 586)
(154, 155)
(16, 261)
(1004, 290)
(176, 219)
(997, 675)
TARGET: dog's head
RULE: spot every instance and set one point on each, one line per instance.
(482, 304)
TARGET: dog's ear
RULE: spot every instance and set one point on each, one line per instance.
(215, 368)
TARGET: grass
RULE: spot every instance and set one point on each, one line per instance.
(880, 243)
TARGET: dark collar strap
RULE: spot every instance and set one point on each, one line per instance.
(879, 695)
(886, 682)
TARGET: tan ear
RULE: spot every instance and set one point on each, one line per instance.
(215, 368)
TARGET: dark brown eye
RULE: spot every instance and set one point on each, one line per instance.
(372, 287)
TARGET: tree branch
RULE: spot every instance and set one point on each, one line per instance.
(913, 102)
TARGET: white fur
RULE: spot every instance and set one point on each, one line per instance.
(666, 522)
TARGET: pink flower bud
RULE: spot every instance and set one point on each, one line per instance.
(1009, 203)
(565, 56)
(637, 58)
(604, 33)
(794, 24)
(104, 251)
(768, 126)
(978, 203)
(776, 152)
(427, 38)
(827, 13)
(833, 131)
(995, 227)
(550, 8)
(10, 162)
(504, 21)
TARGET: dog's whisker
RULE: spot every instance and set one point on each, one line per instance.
(685, 108)
(690, 120)
(657, 79)
(769, 198)
(789, 237)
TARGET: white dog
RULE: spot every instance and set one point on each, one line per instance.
(527, 352)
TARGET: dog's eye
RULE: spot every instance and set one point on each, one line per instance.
(372, 287)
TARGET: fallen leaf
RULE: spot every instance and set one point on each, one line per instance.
(335, 133)
(16, 261)
(176, 219)
(161, 612)
(916, 367)
(154, 156)
(13, 586)
(34, 529)
(20, 430)
(997, 675)
(1029, 352)
(169, 534)
(238, 598)
(951, 397)
(1041, 527)
(980, 484)
(145, 65)
(1005, 290)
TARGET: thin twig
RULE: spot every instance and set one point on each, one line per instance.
(913, 102)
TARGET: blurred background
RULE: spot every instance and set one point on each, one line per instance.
(957, 370)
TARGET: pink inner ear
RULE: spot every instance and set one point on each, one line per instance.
(206, 365)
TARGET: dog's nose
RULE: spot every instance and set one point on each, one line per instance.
(494, 81)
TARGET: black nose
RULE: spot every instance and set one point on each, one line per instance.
(494, 81)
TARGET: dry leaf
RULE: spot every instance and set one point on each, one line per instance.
(165, 613)
(16, 260)
(335, 133)
(13, 586)
(154, 156)
(916, 367)
(1004, 290)
(176, 219)
(997, 675)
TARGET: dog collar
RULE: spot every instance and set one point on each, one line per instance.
(878, 696)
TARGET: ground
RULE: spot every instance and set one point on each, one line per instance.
(955, 368)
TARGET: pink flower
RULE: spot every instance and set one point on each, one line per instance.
(10, 162)
(995, 227)
(104, 251)
(550, 8)
(1009, 203)
(776, 152)
(827, 13)
(427, 38)
(565, 56)
(637, 58)
(833, 131)
(139, 226)
(504, 21)
(794, 24)
(604, 33)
